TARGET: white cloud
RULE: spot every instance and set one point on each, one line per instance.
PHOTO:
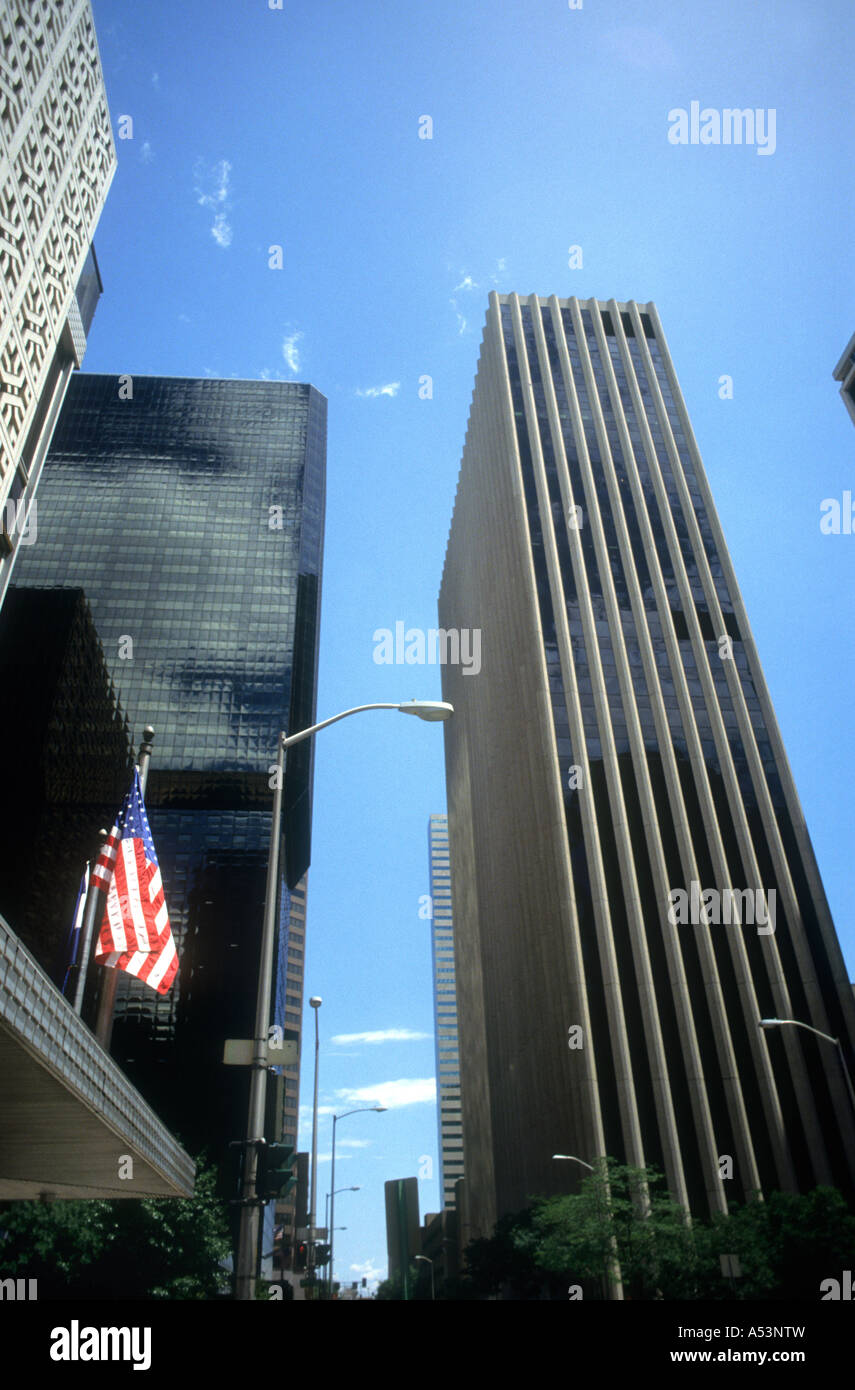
(500, 263)
(381, 1036)
(146, 152)
(393, 1094)
(354, 1143)
(290, 352)
(367, 1269)
(211, 187)
(467, 283)
(390, 389)
(221, 230)
(155, 79)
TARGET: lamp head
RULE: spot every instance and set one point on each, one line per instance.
(431, 710)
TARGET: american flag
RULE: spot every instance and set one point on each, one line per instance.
(135, 932)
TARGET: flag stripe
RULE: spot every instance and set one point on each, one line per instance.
(135, 934)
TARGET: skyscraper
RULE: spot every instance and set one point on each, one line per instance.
(634, 886)
(190, 513)
(445, 1013)
(57, 160)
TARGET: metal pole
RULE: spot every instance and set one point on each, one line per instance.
(846, 1076)
(249, 1211)
(315, 1002)
(110, 981)
(332, 1207)
(93, 897)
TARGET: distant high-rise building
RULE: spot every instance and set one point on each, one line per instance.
(844, 372)
(634, 886)
(450, 1125)
(57, 160)
(403, 1238)
(200, 558)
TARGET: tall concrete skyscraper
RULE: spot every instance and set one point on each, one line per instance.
(190, 515)
(445, 1013)
(634, 886)
(57, 160)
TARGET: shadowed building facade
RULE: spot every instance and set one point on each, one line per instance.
(634, 886)
(57, 160)
(190, 513)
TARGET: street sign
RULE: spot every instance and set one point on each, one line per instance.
(240, 1052)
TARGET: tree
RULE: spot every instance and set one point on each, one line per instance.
(506, 1262)
(624, 1220)
(418, 1285)
(786, 1245)
(160, 1248)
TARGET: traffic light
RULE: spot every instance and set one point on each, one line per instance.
(302, 1255)
(322, 1255)
(274, 1177)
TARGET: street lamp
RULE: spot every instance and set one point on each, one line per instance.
(314, 1003)
(430, 710)
(429, 1262)
(327, 1204)
(796, 1023)
(363, 1109)
(614, 1282)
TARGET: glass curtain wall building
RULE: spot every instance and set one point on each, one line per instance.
(633, 882)
(445, 1013)
(190, 513)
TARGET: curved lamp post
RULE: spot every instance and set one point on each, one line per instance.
(314, 1004)
(327, 1204)
(428, 1261)
(363, 1109)
(430, 710)
(797, 1023)
(610, 1278)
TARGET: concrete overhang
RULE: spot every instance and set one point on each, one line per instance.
(70, 1121)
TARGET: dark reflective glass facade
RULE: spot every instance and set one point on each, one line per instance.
(663, 753)
(89, 290)
(190, 513)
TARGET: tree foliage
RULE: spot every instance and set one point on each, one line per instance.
(623, 1224)
(418, 1285)
(163, 1248)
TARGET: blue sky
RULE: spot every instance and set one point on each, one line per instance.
(299, 128)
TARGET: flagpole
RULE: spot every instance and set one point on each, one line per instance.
(110, 981)
(93, 897)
